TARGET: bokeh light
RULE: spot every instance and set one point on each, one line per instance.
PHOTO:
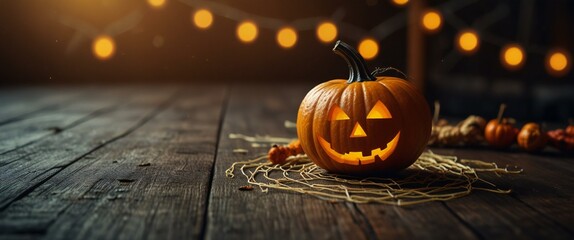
(467, 41)
(368, 48)
(512, 56)
(156, 3)
(558, 62)
(247, 31)
(400, 2)
(287, 37)
(203, 18)
(431, 21)
(327, 32)
(103, 47)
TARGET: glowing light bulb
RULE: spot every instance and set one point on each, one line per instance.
(512, 56)
(287, 37)
(468, 41)
(203, 18)
(247, 31)
(400, 2)
(368, 48)
(327, 32)
(103, 47)
(156, 3)
(558, 62)
(432, 21)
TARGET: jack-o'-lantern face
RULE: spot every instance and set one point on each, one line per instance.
(364, 125)
(360, 139)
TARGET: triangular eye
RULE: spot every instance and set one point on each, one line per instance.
(338, 114)
(379, 111)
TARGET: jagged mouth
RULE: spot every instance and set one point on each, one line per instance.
(357, 158)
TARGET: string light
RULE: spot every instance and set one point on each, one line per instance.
(326, 32)
(400, 2)
(558, 62)
(103, 47)
(467, 41)
(287, 37)
(431, 21)
(247, 31)
(512, 56)
(203, 18)
(156, 3)
(368, 48)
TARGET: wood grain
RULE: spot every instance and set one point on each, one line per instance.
(291, 215)
(148, 184)
(16, 104)
(53, 121)
(32, 165)
(540, 200)
(253, 214)
(144, 162)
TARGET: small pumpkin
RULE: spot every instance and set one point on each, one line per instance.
(500, 132)
(363, 125)
(563, 139)
(570, 128)
(531, 138)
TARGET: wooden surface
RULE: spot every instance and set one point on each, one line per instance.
(149, 162)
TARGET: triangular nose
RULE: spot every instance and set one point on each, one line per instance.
(358, 131)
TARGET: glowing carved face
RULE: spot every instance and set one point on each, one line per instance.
(372, 137)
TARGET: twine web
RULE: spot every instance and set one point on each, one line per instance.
(432, 177)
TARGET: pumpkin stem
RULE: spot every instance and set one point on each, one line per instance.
(436, 112)
(357, 66)
(500, 112)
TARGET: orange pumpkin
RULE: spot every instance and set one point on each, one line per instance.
(363, 125)
(499, 132)
(563, 139)
(570, 129)
(531, 138)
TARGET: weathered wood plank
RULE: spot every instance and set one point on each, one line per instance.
(67, 185)
(490, 215)
(540, 203)
(20, 236)
(496, 216)
(415, 222)
(164, 166)
(11, 95)
(37, 162)
(53, 121)
(19, 103)
(236, 214)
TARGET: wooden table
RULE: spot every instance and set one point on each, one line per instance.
(148, 162)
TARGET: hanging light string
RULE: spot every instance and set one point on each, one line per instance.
(86, 31)
(467, 41)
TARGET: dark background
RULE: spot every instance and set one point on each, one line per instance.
(37, 48)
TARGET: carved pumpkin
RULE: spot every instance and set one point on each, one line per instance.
(363, 125)
(531, 138)
(500, 132)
